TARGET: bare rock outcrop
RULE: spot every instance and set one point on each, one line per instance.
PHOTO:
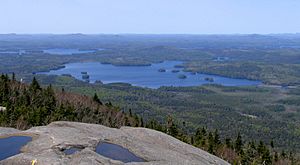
(154, 147)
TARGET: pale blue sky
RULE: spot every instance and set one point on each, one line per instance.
(150, 16)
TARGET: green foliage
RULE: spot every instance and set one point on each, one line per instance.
(96, 99)
(28, 106)
(238, 144)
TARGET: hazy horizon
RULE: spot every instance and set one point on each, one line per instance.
(200, 17)
(225, 34)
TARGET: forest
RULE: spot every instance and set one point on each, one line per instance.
(28, 106)
(31, 105)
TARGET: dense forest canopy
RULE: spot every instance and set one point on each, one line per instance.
(28, 106)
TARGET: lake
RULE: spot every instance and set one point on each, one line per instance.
(154, 76)
(11, 146)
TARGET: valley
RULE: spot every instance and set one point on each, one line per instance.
(244, 85)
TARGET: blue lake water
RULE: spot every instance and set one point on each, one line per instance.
(11, 146)
(146, 76)
(117, 152)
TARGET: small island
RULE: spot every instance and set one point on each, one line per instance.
(178, 66)
(85, 77)
(66, 75)
(182, 76)
(161, 70)
(210, 79)
(98, 82)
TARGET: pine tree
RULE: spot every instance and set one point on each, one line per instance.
(96, 99)
(238, 144)
(211, 148)
(4, 95)
(130, 113)
(127, 123)
(50, 101)
(266, 157)
(34, 86)
(109, 104)
(283, 154)
(228, 143)
(13, 77)
(211, 143)
(261, 148)
(142, 122)
(217, 140)
(276, 157)
(192, 140)
(272, 144)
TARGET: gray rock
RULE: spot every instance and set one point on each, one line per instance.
(153, 146)
(7, 131)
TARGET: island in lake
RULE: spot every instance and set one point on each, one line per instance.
(175, 71)
(85, 76)
(161, 70)
(210, 79)
(182, 76)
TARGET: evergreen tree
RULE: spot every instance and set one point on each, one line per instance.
(34, 86)
(96, 99)
(192, 140)
(211, 143)
(261, 148)
(13, 77)
(272, 144)
(142, 122)
(283, 154)
(210, 148)
(276, 157)
(50, 101)
(238, 144)
(127, 123)
(245, 159)
(228, 143)
(266, 157)
(109, 104)
(217, 140)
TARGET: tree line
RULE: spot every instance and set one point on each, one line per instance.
(31, 105)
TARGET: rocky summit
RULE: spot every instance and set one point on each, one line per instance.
(49, 143)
